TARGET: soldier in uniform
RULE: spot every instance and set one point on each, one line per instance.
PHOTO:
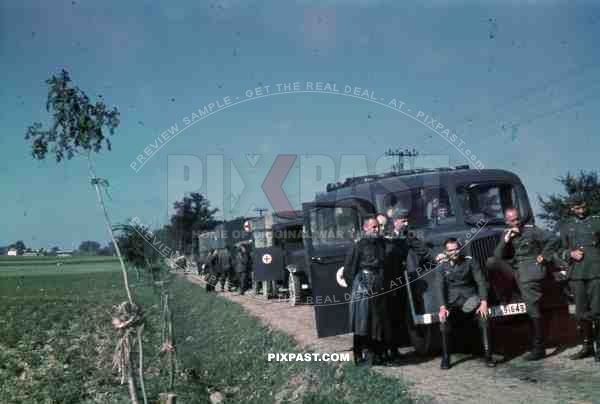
(363, 270)
(226, 269)
(529, 248)
(462, 287)
(243, 267)
(211, 270)
(580, 248)
(399, 243)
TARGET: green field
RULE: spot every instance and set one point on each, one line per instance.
(56, 344)
(35, 266)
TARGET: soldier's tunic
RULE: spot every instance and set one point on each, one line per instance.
(365, 273)
(398, 247)
(523, 250)
(584, 276)
(456, 285)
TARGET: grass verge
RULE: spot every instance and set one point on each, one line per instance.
(56, 345)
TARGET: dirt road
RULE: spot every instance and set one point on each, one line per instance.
(553, 380)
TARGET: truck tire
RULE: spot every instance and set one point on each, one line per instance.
(294, 290)
(421, 336)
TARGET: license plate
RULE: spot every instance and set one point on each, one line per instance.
(509, 309)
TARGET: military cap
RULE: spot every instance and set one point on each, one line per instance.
(577, 200)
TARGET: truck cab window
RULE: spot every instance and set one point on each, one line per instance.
(426, 207)
(332, 226)
(486, 202)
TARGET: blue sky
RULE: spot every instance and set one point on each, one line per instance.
(474, 66)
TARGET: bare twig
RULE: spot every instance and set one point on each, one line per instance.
(131, 382)
(141, 364)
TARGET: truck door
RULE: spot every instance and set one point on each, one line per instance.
(331, 230)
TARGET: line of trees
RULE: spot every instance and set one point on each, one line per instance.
(190, 215)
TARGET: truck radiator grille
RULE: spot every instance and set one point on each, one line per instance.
(483, 248)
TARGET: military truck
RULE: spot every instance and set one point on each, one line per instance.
(288, 239)
(458, 202)
(275, 243)
(277, 250)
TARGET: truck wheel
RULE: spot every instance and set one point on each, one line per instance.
(421, 336)
(254, 283)
(294, 289)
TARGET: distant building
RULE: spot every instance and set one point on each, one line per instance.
(30, 254)
(64, 253)
(12, 252)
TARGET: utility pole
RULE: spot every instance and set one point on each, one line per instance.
(401, 154)
(261, 211)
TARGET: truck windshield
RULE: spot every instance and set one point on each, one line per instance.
(486, 202)
(289, 237)
(333, 226)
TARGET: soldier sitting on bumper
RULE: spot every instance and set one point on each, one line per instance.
(463, 290)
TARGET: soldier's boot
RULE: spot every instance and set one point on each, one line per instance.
(368, 352)
(538, 350)
(487, 345)
(393, 356)
(445, 364)
(585, 333)
(357, 349)
(597, 340)
(379, 353)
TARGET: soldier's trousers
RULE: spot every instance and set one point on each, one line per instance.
(587, 299)
(226, 275)
(243, 279)
(458, 319)
(211, 281)
(531, 293)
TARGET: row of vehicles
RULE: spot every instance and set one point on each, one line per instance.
(302, 253)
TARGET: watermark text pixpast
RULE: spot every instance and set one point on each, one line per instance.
(308, 357)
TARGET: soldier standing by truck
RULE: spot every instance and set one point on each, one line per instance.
(243, 268)
(580, 248)
(399, 243)
(529, 248)
(211, 271)
(463, 289)
(363, 270)
(226, 269)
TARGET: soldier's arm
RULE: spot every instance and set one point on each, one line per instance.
(350, 264)
(500, 250)
(563, 254)
(596, 230)
(482, 286)
(552, 244)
